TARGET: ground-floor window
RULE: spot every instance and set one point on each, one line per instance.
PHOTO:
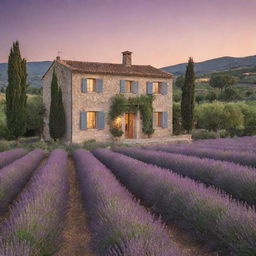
(158, 119)
(91, 120)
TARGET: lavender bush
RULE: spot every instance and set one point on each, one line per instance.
(11, 155)
(119, 225)
(243, 158)
(239, 181)
(14, 176)
(19, 248)
(206, 210)
(36, 219)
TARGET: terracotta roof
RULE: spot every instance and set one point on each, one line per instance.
(114, 69)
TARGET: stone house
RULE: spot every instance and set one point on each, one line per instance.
(88, 87)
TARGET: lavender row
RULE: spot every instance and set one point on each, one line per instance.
(239, 181)
(36, 219)
(207, 211)
(119, 225)
(14, 176)
(243, 158)
(9, 156)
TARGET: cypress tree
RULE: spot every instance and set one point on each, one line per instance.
(57, 115)
(61, 116)
(188, 97)
(16, 98)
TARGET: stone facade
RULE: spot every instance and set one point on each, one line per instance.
(76, 101)
(64, 76)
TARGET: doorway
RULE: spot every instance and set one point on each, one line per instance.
(129, 125)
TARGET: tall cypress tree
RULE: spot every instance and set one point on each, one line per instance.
(188, 97)
(61, 116)
(16, 98)
(57, 115)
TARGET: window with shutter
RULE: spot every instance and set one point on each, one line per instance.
(83, 120)
(122, 86)
(134, 87)
(100, 120)
(158, 119)
(84, 85)
(149, 88)
(165, 120)
(156, 87)
(91, 85)
(99, 85)
(91, 120)
(163, 88)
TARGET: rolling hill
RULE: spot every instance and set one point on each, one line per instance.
(35, 72)
(214, 65)
(37, 69)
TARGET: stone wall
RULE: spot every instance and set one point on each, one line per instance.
(64, 81)
(94, 101)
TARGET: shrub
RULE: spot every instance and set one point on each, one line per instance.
(202, 134)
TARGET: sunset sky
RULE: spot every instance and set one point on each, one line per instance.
(158, 32)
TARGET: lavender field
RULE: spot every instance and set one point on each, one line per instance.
(159, 200)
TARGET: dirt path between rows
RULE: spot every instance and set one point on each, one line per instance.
(76, 233)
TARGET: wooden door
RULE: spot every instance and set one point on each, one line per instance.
(129, 125)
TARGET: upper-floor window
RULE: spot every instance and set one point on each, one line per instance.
(91, 120)
(91, 85)
(128, 86)
(156, 87)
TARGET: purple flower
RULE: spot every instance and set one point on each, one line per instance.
(14, 176)
(9, 156)
(212, 214)
(37, 217)
(119, 225)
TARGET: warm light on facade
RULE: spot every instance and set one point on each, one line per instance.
(117, 123)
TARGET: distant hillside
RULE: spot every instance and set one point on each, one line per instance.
(35, 71)
(214, 65)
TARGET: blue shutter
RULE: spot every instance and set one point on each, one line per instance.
(84, 85)
(100, 120)
(163, 88)
(122, 86)
(165, 120)
(149, 88)
(83, 120)
(99, 85)
(135, 87)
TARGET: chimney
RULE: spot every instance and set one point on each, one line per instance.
(127, 58)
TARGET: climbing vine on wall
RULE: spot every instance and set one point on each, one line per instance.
(142, 103)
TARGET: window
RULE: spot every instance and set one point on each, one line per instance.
(158, 119)
(156, 87)
(91, 85)
(128, 86)
(91, 120)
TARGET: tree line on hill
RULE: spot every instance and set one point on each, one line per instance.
(23, 115)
